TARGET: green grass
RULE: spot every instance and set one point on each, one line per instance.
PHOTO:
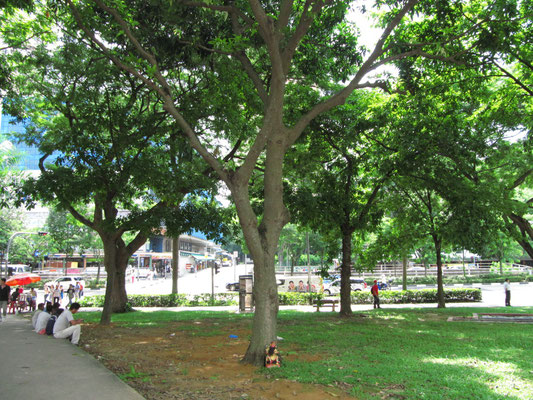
(393, 353)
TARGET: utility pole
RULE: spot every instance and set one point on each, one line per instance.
(40, 233)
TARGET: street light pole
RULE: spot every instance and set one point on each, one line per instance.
(17, 234)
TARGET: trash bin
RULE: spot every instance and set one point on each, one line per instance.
(246, 298)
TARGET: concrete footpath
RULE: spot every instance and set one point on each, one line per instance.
(39, 367)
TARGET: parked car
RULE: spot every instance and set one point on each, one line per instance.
(66, 281)
(356, 284)
(233, 286)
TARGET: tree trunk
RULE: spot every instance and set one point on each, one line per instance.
(440, 286)
(98, 272)
(175, 264)
(116, 256)
(346, 272)
(262, 240)
(404, 273)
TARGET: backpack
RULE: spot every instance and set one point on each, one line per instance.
(50, 325)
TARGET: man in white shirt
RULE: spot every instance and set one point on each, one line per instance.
(66, 326)
(43, 318)
(507, 288)
(40, 309)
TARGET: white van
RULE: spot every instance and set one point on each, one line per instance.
(288, 283)
(17, 269)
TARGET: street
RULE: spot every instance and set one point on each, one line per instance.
(200, 282)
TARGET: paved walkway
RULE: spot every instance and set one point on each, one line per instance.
(39, 367)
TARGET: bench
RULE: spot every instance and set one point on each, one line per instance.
(325, 303)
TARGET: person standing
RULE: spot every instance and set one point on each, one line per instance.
(77, 290)
(70, 294)
(46, 293)
(507, 288)
(56, 294)
(375, 293)
(66, 326)
(4, 297)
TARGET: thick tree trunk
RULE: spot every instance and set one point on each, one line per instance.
(346, 272)
(116, 257)
(262, 241)
(440, 286)
(264, 326)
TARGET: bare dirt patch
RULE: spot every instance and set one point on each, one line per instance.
(192, 361)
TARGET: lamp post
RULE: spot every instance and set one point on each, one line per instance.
(40, 233)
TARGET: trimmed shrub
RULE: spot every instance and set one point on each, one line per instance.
(167, 300)
(298, 299)
(291, 299)
(454, 295)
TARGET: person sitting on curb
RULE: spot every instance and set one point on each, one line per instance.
(42, 319)
(40, 309)
(66, 326)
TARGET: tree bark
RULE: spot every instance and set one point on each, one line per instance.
(175, 264)
(404, 273)
(346, 272)
(440, 286)
(264, 325)
(116, 256)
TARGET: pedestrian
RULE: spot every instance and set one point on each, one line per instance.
(70, 294)
(4, 297)
(77, 291)
(56, 295)
(46, 293)
(507, 288)
(375, 293)
(66, 326)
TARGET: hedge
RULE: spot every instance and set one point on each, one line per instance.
(290, 299)
(455, 295)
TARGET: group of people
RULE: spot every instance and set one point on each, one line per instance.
(51, 319)
(18, 300)
(55, 294)
(300, 288)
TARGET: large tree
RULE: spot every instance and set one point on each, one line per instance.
(335, 175)
(115, 149)
(280, 49)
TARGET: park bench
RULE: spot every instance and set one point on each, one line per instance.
(325, 303)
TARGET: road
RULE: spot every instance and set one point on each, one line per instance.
(200, 282)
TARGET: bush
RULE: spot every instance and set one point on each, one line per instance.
(167, 300)
(291, 299)
(298, 299)
(418, 296)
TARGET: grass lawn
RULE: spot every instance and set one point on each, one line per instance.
(390, 353)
